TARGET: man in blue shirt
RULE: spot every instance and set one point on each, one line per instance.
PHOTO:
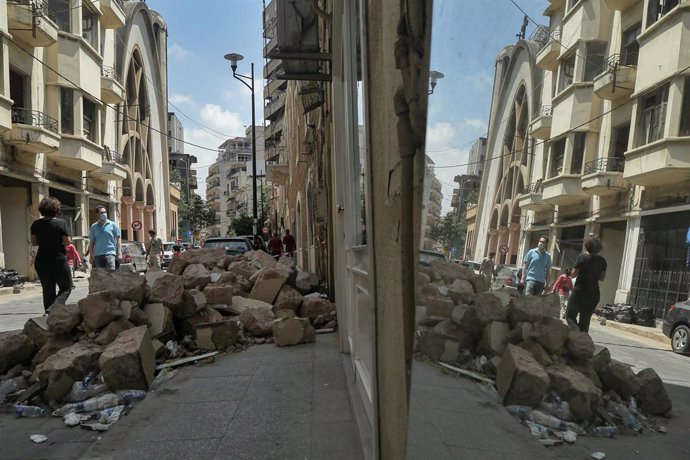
(105, 246)
(535, 268)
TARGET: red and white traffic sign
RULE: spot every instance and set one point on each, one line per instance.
(503, 249)
(264, 230)
(136, 225)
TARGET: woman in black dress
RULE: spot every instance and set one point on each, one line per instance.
(590, 269)
(51, 236)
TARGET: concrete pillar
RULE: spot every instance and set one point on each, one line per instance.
(513, 240)
(493, 242)
(149, 223)
(502, 239)
(139, 216)
(127, 215)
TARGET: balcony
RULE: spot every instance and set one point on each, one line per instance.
(547, 57)
(274, 107)
(270, 47)
(604, 176)
(662, 162)
(112, 86)
(540, 127)
(617, 77)
(574, 108)
(271, 67)
(33, 131)
(29, 21)
(531, 198)
(78, 153)
(563, 190)
(113, 167)
(620, 5)
(277, 173)
(5, 114)
(112, 14)
(273, 86)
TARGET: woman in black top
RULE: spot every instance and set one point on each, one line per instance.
(590, 269)
(51, 236)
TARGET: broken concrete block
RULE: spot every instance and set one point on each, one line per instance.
(217, 336)
(442, 291)
(129, 362)
(158, 348)
(514, 336)
(489, 308)
(586, 369)
(422, 279)
(525, 329)
(451, 351)
(99, 309)
(652, 395)
(240, 304)
(187, 326)
(420, 313)
(450, 272)
(493, 338)
(578, 390)
(168, 290)
(580, 345)
(431, 345)
(288, 332)
(127, 306)
(177, 266)
(440, 306)
(551, 333)
(258, 321)
(196, 276)
(448, 329)
(461, 291)
(267, 284)
(68, 365)
(242, 269)
(161, 319)
(288, 299)
(138, 317)
(52, 346)
(479, 283)
(601, 358)
(537, 351)
(306, 282)
(122, 285)
(15, 348)
(285, 314)
(109, 333)
(520, 379)
(63, 319)
(152, 275)
(620, 378)
(263, 259)
(208, 257)
(219, 294)
(37, 329)
(314, 306)
(198, 299)
(527, 308)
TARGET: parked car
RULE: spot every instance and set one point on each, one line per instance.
(677, 326)
(140, 245)
(473, 265)
(133, 260)
(168, 252)
(426, 257)
(250, 238)
(506, 278)
(234, 245)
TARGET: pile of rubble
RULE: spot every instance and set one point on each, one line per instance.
(552, 377)
(106, 349)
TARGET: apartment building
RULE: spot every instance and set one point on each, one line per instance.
(432, 200)
(275, 88)
(476, 158)
(83, 117)
(601, 140)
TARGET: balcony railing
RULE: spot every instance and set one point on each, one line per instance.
(613, 62)
(544, 111)
(34, 118)
(610, 164)
(545, 36)
(534, 187)
(111, 72)
(112, 155)
(39, 7)
(121, 3)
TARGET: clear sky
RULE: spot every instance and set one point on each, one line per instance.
(467, 35)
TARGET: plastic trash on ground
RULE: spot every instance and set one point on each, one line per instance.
(96, 426)
(550, 421)
(111, 415)
(598, 456)
(82, 391)
(605, 431)
(73, 419)
(568, 436)
(97, 403)
(162, 377)
(7, 387)
(542, 433)
(130, 396)
(628, 418)
(519, 411)
(553, 405)
(21, 410)
(172, 348)
(38, 438)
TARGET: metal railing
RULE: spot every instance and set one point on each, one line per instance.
(615, 61)
(111, 72)
(609, 164)
(34, 118)
(534, 187)
(544, 111)
(114, 156)
(120, 3)
(545, 36)
(38, 7)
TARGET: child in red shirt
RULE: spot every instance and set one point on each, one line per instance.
(564, 284)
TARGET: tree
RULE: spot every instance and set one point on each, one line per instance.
(243, 225)
(197, 212)
(450, 232)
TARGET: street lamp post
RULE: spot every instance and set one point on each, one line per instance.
(233, 58)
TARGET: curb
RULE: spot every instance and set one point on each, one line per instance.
(648, 333)
(30, 287)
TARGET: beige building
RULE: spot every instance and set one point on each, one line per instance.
(599, 145)
(174, 218)
(431, 206)
(78, 83)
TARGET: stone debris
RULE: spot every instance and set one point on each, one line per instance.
(118, 342)
(536, 361)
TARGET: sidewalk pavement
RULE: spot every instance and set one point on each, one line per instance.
(653, 333)
(264, 403)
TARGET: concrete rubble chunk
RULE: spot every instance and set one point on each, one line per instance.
(129, 362)
(138, 317)
(493, 338)
(52, 346)
(196, 276)
(431, 345)
(177, 265)
(578, 390)
(422, 278)
(442, 291)
(15, 348)
(217, 336)
(188, 306)
(63, 319)
(198, 298)
(158, 348)
(152, 275)
(620, 378)
(441, 307)
(161, 319)
(187, 326)
(585, 368)
(268, 283)
(242, 269)
(652, 396)
(285, 314)
(306, 282)
(520, 379)
(168, 290)
(451, 272)
(601, 358)
(127, 306)
(109, 333)
(461, 291)
(122, 285)
(479, 283)
(263, 259)
(314, 306)
(288, 299)
(68, 365)
(537, 351)
(208, 257)
(293, 331)
(219, 295)
(551, 333)
(580, 345)
(489, 308)
(526, 308)
(514, 336)
(37, 329)
(258, 321)
(240, 304)
(99, 309)
(525, 329)
(448, 329)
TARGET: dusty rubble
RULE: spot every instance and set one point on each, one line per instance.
(105, 352)
(556, 380)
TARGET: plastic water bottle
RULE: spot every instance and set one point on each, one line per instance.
(21, 410)
(519, 411)
(605, 431)
(7, 387)
(129, 396)
(629, 419)
(101, 402)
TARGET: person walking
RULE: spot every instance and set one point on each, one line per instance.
(50, 234)
(487, 268)
(154, 251)
(73, 258)
(535, 268)
(290, 243)
(106, 245)
(590, 270)
(563, 285)
(275, 246)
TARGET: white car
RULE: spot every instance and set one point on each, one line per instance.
(168, 252)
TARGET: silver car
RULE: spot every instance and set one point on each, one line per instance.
(133, 260)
